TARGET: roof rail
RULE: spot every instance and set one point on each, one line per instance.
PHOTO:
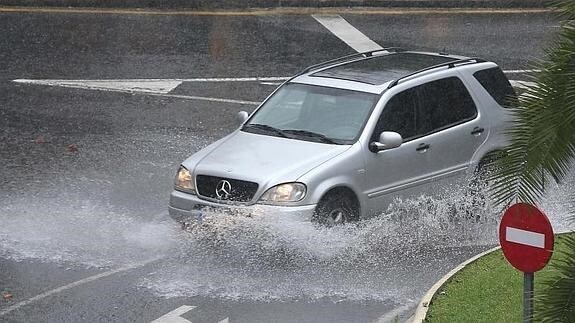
(448, 64)
(349, 58)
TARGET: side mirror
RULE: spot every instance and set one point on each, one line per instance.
(387, 140)
(242, 117)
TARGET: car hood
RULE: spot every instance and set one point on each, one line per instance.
(267, 160)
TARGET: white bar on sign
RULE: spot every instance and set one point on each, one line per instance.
(529, 238)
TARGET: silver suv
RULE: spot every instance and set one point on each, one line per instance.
(341, 139)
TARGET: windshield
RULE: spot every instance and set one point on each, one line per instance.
(313, 113)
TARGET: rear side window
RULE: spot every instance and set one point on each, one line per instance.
(443, 103)
(427, 108)
(495, 82)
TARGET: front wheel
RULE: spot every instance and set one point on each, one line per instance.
(336, 209)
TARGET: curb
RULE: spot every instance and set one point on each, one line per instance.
(260, 4)
(423, 306)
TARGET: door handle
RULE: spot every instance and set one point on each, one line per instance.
(422, 148)
(477, 131)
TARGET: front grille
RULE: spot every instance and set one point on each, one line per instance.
(239, 191)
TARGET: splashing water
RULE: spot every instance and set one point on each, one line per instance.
(53, 229)
(265, 257)
(270, 257)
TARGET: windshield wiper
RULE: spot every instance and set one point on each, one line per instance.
(265, 128)
(311, 134)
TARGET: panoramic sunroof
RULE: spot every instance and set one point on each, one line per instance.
(382, 69)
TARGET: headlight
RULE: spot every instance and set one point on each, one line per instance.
(184, 181)
(289, 192)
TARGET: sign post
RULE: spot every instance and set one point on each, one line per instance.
(528, 281)
(526, 238)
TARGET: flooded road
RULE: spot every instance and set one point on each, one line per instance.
(85, 234)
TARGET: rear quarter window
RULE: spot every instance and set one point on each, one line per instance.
(497, 85)
(443, 103)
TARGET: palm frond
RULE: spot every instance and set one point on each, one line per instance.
(542, 135)
(542, 148)
(557, 301)
(566, 8)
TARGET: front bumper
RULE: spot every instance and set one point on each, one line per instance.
(187, 207)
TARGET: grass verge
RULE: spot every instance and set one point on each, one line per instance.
(487, 290)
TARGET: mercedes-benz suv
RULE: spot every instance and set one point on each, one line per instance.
(341, 139)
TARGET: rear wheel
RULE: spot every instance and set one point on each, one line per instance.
(336, 208)
(484, 170)
(478, 187)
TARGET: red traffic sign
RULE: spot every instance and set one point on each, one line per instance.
(526, 237)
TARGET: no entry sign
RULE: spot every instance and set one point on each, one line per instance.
(526, 237)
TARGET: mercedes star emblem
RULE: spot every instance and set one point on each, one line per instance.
(223, 189)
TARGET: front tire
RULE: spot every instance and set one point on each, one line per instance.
(335, 209)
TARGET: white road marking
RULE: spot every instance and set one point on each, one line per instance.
(74, 284)
(520, 71)
(157, 87)
(238, 79)
(201, 79)
(529, 238)
(163, 87)
(346, 32)
(145, 86)
(522, 84)
(174, 316)
(203, 98)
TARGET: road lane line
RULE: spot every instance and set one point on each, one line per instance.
(75, 284)
(202, 98)
(346, 32)
(152, 80)
(520, 71)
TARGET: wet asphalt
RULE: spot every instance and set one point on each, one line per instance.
(80, 166)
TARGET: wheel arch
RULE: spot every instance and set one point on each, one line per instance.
(488, 158)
